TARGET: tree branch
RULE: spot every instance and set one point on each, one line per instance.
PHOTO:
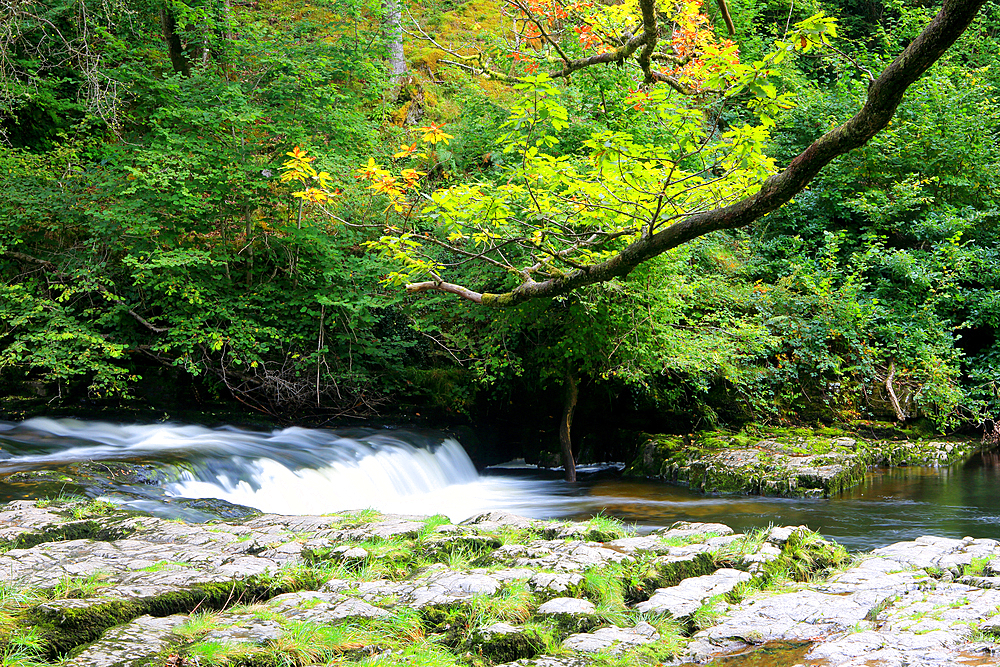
(884, 96)
(100, 288)
(445, 287)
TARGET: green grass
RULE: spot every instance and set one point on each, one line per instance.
(60, 499)
(976, 568)
(197, 625)
(432, 522)
(304, 643)
(25, 648)
(604, 528)
(513, 603)
(685, 540)
(78, 587)
(709, 613)
(605, 586)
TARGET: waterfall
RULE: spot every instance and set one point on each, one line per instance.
(287, 471)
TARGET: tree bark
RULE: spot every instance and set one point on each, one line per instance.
(178, 57)
(393, 32)
(565, 439)
(900, 415)
(724, 10)
(884, 96)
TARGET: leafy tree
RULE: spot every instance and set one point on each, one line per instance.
(563, 220)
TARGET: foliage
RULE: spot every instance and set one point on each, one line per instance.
(240, 210)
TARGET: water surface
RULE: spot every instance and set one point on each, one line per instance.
(316, 471)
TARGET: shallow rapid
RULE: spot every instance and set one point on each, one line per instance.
(317, 471)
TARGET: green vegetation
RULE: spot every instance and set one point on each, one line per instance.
(219, 202)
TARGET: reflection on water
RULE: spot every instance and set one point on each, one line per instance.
(314, 471)
(772, 654)
(892, 505)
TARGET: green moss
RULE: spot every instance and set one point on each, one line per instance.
(666, 571)
(767, 461)
(505, 648)
(63, 627)
(603, 528)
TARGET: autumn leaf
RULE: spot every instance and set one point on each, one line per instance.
(433, 134)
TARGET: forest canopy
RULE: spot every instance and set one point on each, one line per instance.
(223, 198)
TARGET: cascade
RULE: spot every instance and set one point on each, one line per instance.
(286, 471)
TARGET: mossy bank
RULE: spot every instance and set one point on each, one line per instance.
(787, 462)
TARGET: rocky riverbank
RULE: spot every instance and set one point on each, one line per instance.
(88, 584)
(792, 462)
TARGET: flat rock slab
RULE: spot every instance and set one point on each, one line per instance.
(772, 473)
(940, 552)
(254, 631)
(868, 648)
(559, 555)
(695, 531)
(500, 521)
(684, 599)
(612, 639)
(20, 519)
(567, 606)
(440, 587)
(556, 584)
(951, 611)
(132, 644)
(572, 614)
(799, 616)
(549, 661)
(876, 580)
(135, 568)
(322, 608)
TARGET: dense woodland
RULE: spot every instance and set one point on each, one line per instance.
(221, 200)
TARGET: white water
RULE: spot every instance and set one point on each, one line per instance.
(287, 471)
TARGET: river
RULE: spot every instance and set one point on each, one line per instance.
(316, 471)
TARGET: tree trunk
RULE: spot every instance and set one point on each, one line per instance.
(565, 441)
(178, 58)
(900, 415)
(393, 33)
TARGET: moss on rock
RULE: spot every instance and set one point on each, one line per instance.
(783, 462)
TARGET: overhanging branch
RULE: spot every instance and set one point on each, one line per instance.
(884, 96)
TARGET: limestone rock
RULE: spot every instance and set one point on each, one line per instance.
(798, 616)
(132, 644)
(573, 614)
(559, 555)
(685, 598)
(549, 661)
(496, 521)
(695, 531)
(556, 584)
(567, 606)
(941, 552)
(875, 580)
(322, 608)
(612, 639)
(255, 631)
(779, 535)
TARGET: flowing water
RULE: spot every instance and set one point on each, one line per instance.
(315, 471)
